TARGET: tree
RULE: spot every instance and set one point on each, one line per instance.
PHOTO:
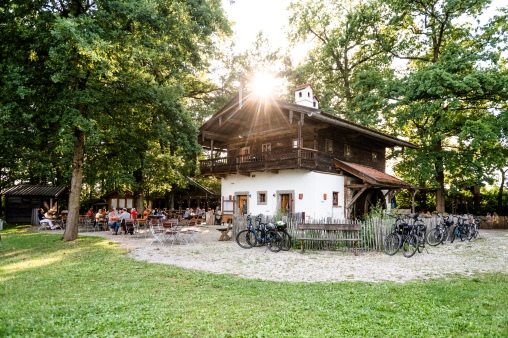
(448, 100)
(109, 77)
(347, 64)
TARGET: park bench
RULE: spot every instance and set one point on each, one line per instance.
(330, 233)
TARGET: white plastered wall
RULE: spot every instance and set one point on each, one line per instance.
(312, 186)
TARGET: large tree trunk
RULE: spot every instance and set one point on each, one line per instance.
(440, 177)
(71, 229)
(500, 193)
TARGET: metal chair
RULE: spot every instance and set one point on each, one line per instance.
(172, 231)
(157, 231)
(190, 231)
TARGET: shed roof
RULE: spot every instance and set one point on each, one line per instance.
(33, 190)
(370, 175)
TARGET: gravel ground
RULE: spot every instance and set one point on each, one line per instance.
(488, 253)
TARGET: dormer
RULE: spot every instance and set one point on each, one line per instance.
(304, 96)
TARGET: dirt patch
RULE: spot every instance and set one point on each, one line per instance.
(488, 253)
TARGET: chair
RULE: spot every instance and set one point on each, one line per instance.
(142, 224)
(190, 231)
(43, 225)
(101, 223)
(156, 231)
(171, 230)
(128, 226)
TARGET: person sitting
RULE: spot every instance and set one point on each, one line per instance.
(124, 215)
(98, 216)
(134, 213)
(187, 214)
(44, 219)
(114, 222)
(89, 213)
(199, 212)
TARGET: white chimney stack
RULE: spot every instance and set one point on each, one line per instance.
(304, 96)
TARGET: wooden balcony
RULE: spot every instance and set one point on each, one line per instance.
(292, 158)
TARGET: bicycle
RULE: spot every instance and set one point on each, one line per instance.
(415, 241)
(393, 241)
(287, 240)
(440, 234)
(461, 229)
(261, 235)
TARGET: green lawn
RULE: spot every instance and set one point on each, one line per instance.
(49, 288)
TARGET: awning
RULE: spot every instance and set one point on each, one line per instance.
(371, 176)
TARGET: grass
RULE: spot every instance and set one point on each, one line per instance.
(49, 288)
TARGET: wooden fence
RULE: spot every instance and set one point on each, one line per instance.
(372, 235)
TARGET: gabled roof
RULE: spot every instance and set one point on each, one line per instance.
(216, 127)
(33, 190)
(370, 175)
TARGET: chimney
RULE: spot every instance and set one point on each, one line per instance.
(304, 96)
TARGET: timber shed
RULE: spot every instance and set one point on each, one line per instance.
(21, 200)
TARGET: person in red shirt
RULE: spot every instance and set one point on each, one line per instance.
(134, 213)
(89, 212)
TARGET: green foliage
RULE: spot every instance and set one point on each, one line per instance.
(117, 71)
(90, 288)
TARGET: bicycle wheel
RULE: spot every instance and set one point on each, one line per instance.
(287, 240)
(434, 237)
(392, 243)
(455, 234)
(273, 241)
(410, 245)
(464, 233)
(245, 239)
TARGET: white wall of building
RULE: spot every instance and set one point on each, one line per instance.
(312, 186)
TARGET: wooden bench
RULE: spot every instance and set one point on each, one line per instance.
(350, 233)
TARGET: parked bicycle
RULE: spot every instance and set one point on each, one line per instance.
(461, 229)
(287, 240)
(260, 235)
(393, 241)
(441, 233)
(415, 240)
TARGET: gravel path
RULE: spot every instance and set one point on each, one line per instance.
(488, 253)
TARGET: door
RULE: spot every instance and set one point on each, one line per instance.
(242, 205)
(285, 204)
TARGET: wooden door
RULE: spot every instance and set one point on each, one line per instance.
(285, 204)
(242, 206)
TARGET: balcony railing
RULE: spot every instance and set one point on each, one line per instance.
(292, 158)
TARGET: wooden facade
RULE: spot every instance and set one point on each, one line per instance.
(21, 201)
(271, 136)
(275, 136)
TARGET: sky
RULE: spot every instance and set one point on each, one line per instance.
(270, 16)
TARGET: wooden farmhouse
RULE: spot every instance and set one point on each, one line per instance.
(282, 158)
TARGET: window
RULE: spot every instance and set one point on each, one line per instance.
(335, 198)
(243, 152)
(374, 157)
(295, 143)
(266, 147)
(328, 146)
(308, 94)
(300, 94)
(347, 150)
(261, 197)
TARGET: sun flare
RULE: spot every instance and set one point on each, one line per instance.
(263, 84)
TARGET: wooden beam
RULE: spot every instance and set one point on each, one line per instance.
(355, 197)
